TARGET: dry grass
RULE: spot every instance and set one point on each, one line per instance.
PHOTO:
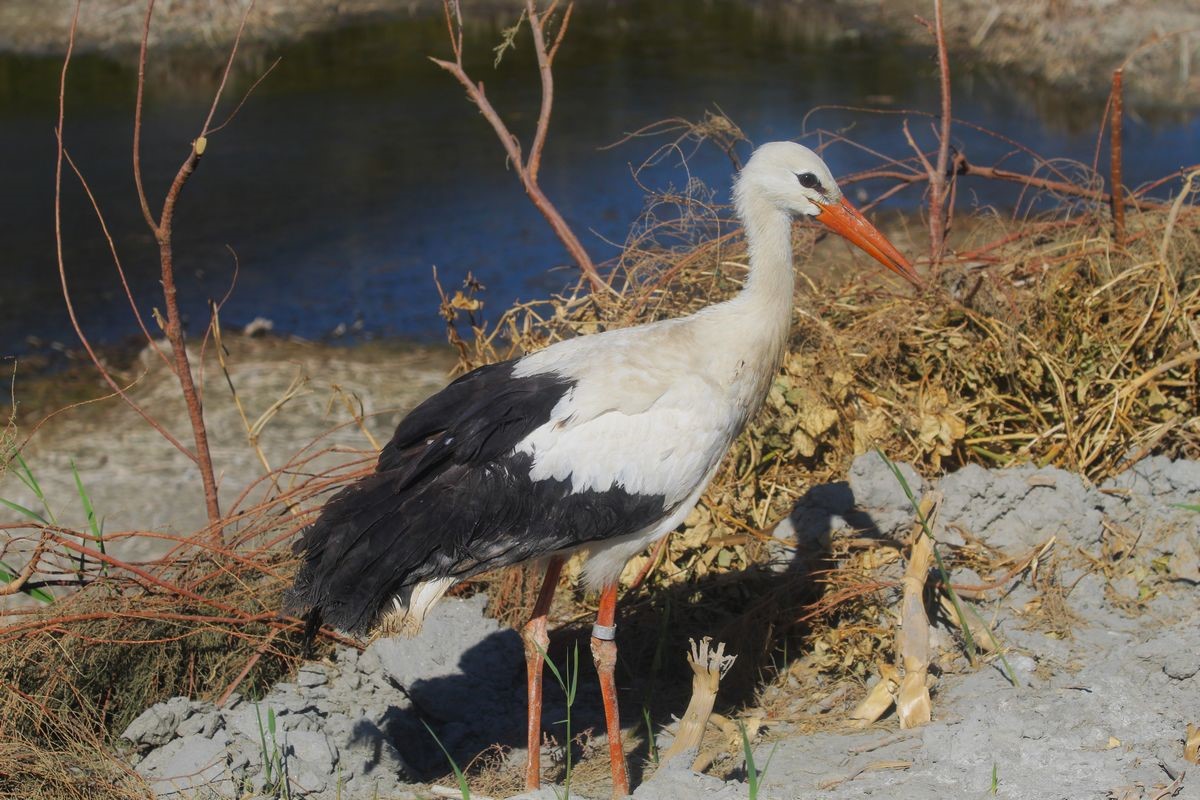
(202, 621)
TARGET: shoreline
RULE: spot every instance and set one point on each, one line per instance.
(1069, 45)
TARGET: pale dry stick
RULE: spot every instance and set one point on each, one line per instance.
(358, 414)
(732, 733)
(455, 792)
(978, 629)
(913, 706)
(879, 699)
(1173, 214)
(874, 766)
(526, 168)
(1118, 110)
(22, 577)
(708, 665)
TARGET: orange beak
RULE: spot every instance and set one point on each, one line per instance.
(844, 219)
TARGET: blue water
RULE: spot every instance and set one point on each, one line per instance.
(358, 166)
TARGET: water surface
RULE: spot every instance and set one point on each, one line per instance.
(358, 166)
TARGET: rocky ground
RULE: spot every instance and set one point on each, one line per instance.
(1106, 688)
(1068, 44)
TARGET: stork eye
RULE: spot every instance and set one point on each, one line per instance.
(809, 181)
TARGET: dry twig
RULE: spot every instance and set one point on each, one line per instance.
(526, 167)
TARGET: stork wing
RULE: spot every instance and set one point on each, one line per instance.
(660, 440)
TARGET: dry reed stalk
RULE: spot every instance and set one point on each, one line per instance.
(708, 665)
(981, 634)
(879, 699)
(913, 706)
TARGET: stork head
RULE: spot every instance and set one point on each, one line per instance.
(793, 179)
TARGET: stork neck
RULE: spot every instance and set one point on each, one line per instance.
(771, 282)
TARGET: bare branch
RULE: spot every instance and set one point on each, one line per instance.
(477, 96)
(246, 96)
(58, 243)
(939, 215)
(137, 121)
(237, 39)
(543, 123)
(163, 234)
(527, 170)
(1118, 204)
(112, 249)
(562, 29)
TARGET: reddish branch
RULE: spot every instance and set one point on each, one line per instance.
(939, 212)
(526, 168)
(58, 244)
(162, 230)
(1118, 204)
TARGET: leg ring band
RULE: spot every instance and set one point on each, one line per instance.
(606, 633)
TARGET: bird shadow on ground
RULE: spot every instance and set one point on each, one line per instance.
(478, 712)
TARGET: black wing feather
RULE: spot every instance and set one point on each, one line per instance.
(449, 498)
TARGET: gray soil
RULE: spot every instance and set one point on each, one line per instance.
(1067, 44)
(1100, 709)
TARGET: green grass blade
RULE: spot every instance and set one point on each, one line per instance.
(20, 509)
(748, 755)
(8, 575)
(25, 475)
(88, 508)
(463, 788)
(262, 741)
(650, 735)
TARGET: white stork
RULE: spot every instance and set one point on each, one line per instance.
(602, 443)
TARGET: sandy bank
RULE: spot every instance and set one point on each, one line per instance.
(1070, 45)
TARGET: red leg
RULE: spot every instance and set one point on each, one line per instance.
(536, 641)
(604, 653)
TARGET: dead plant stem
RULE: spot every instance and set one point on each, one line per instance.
(1118, 204)
(527, 169)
